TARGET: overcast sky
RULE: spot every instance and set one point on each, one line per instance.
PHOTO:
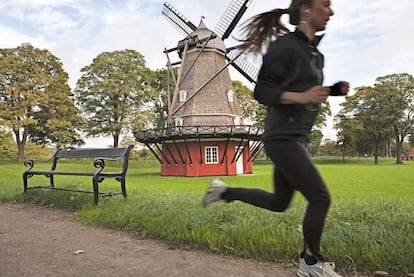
(364, 39)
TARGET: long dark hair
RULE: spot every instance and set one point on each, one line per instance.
(263, 28)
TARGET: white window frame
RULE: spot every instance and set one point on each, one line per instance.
(178, 121)
(183, 95)
(211, 154)
(230, 96)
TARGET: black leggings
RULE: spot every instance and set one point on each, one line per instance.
(294, 170)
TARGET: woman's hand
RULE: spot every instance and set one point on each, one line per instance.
(339, 89)
(315, 95)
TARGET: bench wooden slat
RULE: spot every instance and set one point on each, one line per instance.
(46, 172)
(91, 153)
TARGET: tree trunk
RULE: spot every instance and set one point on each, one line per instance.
(21, 143)
(343, 151)
(399, 150)
(389, 154)
(376, 153)
(116, 141)
(20, 152)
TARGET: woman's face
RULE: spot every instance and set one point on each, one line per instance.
(319, 14)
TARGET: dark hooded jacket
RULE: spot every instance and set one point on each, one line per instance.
(292, 63)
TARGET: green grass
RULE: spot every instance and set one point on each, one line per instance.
(371, 219)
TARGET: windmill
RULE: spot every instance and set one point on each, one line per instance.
(205, 133)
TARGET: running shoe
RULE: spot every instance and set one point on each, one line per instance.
(320, 269)
(214, 191)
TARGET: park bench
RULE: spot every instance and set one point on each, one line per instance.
(99, 156)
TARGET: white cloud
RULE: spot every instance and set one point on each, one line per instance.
(364, 39)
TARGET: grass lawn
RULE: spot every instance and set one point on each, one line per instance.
(371, 220)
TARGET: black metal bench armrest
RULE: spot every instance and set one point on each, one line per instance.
(111, 159)
(30, 163)
(99, 163)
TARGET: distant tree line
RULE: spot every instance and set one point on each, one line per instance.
(117, 94)
(377, 121)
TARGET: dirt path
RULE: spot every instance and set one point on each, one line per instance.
(37, 242)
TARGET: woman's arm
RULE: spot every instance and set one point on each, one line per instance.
(314, 95)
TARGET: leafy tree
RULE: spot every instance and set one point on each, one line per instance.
(251, 109)
(375, 118)
(113, 91)
(35, 98)
(397, 91)
(144, 120)
(411, 140)
(351, 133)
(349, 129)
(324, 112)
(37, 151)
(369, 107)
(7, 151)
(316, 134)
(329, 148)
(162, 79)
(315, 142)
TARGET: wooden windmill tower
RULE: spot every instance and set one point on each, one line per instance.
(205, 134)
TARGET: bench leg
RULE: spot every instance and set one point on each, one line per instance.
(95, 191)
(52, 181)
(24, 182)
(123, 187)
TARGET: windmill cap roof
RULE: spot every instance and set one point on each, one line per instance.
(202, 32)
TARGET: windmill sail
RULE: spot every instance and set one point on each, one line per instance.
(243, 66)
(225, 26)
(179, 21)
(231, 17)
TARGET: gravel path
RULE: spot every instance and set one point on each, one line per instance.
(37, 241)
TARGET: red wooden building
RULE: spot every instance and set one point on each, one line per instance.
(409, 157)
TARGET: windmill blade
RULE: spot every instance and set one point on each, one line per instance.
(179, 21)
(231, 17)
(243, 66)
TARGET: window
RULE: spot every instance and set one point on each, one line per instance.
(237, 121)
(179, 122)
(230, 96)
(183, 95)
(211, 154)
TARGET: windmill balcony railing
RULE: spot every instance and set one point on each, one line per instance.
(200, 131)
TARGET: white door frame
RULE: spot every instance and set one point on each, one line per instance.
(239, 161)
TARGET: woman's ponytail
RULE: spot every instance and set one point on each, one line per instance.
(262, 29)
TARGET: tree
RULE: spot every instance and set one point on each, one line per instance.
(411, 139)
(369, 108)
(316, 135)
(113, 91)
(398, 94)
(324, 112)
(162, 79)
(315, 139)
(329, 148)
(349, 132)
(7, 151)
(375, 118)
(35, 98)
(251, 109)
